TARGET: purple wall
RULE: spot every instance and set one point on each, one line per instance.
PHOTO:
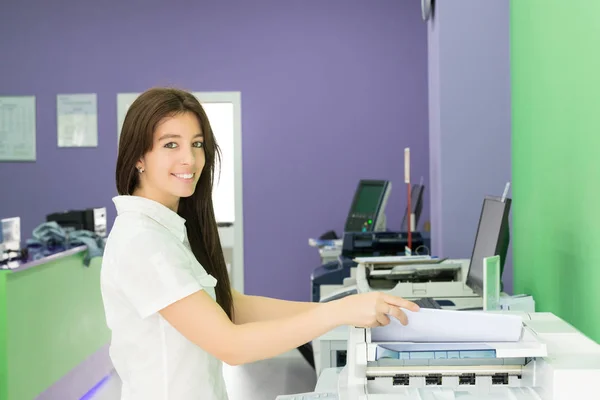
(469, 118)
(331, 93)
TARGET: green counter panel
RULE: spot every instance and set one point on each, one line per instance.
(51, 320)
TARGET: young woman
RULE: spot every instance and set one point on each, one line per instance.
(173, 315)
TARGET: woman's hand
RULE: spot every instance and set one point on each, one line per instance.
(369, 310)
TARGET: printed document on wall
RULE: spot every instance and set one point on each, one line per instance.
(17, 128)
(77, 116)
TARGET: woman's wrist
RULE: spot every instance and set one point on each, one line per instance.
(335, 312)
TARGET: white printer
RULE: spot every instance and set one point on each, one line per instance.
(446, 282)
(450, 284)
(550, 361)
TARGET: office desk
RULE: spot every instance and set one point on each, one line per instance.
(53, 333)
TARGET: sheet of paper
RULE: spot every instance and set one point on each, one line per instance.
(17, 128)
(430, 325)
(77, 116)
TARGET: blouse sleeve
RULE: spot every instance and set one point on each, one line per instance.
(155, 273)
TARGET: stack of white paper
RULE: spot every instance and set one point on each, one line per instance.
(431, 325)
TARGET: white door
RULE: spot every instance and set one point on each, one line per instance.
(224, 113)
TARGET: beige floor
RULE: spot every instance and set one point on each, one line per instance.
(263, 380)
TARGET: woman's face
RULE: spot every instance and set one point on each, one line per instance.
(172, 168)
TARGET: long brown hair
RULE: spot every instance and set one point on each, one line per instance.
(137, 134)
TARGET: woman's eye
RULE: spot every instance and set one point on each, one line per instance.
(171, 145)
(199, 144)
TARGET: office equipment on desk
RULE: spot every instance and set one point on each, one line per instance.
(330, 276)
(491, 283)
(91, 219)
(408, 247)
(549, 360)
(11, 252)
(453, 280)
(367, 212)
(440, 364)
(320, 243)
(11, 234)
(427, 302)
(380, 244)
(452, 284)
(492, 239)
(364, 235)
(442, 282)
(519, 302)
(416, 208)
(391, 262)
(309, 396)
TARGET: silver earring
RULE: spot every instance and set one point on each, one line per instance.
(141, 169)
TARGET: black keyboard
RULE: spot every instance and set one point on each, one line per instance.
(427, 302)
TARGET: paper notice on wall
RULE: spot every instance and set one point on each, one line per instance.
(77, 118)
(17, 128)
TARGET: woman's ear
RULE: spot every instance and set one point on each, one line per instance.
(140, 166)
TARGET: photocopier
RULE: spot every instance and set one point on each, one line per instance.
(452, 283)
(365, 234)
(455, 284)
(551, 360)
(331, 276)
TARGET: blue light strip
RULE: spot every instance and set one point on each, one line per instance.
(90, 394)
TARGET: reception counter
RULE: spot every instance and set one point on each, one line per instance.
(53, 333)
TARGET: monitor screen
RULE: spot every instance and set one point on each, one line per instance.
(490, 240)
(368, 198)
(11, 233)
(416, 204)
(368, 206)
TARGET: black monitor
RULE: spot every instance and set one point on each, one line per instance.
(492, 238)
(367, 213)
(416, 205)
(91, 219)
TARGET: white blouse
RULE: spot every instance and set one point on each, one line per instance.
(148, 265)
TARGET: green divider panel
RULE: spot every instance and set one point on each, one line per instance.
(555, 64)
(53, 319)
(3, 341)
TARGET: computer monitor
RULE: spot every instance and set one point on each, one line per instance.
(11, 233)
(492, 238)
(416, 204)
(367, 213)
(91, 219)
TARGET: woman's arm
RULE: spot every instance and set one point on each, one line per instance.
(253, 341)
(202, 321)
(258, 308)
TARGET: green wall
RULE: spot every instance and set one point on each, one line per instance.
(555, 66)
